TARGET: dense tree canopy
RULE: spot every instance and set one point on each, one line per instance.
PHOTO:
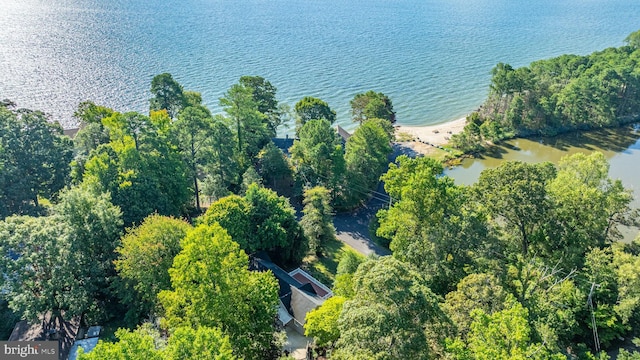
(318, 156)
(246, 120)
(317, 221)
(184, 343)
(390, 315)
(61, 264)
(168, 95)
(140, 167)
(213, 287)
(264, 94)
(144, 257)
(431, 224)
(366, 158)
(557, 95)
(34, 161)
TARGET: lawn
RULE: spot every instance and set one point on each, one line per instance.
(324, 267)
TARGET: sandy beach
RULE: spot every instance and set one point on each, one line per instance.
(438, 134)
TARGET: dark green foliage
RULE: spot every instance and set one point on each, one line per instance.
(392, 315)
(317, 221)
(34, 161)
(366, 157)
(273, 167)
(140, 168)
(515, 192)
(432, 223)
(168, 95)
(246, 121)
(310, 108)
(372, 105)
(264, 94)
(318, 156)
(558, 95)
(62, 263)
(261, 220)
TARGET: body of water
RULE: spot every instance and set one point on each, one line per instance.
(620, 146)
(431, 57)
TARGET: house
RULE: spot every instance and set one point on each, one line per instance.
(48, 329)
(87, 344)
(299, 291)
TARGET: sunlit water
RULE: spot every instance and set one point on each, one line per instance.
(432, 57)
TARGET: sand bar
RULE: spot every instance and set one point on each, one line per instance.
(438, 134)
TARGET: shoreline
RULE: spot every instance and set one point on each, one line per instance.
(438, 134)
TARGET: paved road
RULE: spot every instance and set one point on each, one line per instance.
(353, 227)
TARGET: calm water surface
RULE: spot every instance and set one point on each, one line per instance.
(432, 57)
(620, 146)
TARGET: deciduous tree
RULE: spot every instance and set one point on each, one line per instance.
(34, 160)
(390, 315)
(144, 257)
(213, 287)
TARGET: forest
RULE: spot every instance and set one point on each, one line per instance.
(145, 223)
(558, 95)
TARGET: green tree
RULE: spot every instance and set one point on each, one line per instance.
(213, 287)
(145, 343)
(633, 39)
(349, 262)
(233, 214)
(366, 158)
(393, 314)
(200, 343)
(503, 335)
(144, 257)
(139, 344)
(264, 94)
(95, 226)
(249, 177)
(62, 263)
(476, 291)
(515, 192)
(91, 133)
(322, 323)
(35, 262)
(145, 173)
(310, 108)
(168, 95)
(274, 226)
(432, 224)
(587, 205)
(222, 163)
(274, 168)
(246, 120)
(261, 220)
(317, 221)
(193, 133)
(34, 161)
(318, 156)
(372, 105)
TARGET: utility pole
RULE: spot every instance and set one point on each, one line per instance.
(594, 326)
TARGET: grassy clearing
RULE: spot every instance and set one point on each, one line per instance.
(404, 136)
(324, 267)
